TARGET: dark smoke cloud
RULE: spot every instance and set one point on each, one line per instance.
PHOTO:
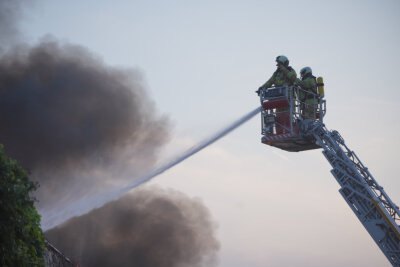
(66, 116)
(149, 227)
(60, 105)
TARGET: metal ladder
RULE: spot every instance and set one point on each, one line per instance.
(373, 207)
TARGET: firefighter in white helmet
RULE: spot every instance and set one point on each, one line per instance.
(308, 94)
(284, 75)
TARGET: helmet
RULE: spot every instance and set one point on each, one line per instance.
(283, 60)
(306, 70)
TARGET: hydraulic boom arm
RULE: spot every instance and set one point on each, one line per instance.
(373, 207)
(293, 124)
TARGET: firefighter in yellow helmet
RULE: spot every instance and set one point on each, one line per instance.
(284, 75)
(308, 94)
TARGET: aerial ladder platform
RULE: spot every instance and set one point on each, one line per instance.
(292, 120)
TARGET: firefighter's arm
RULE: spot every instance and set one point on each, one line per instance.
(291, 76)
(270, 82)
(299, 82)
(303, 83)
(267, 84)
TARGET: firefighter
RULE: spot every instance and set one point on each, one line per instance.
(284, 75)
(308, 94)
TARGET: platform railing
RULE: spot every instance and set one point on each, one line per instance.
(296, 98)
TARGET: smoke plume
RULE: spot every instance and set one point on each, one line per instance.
(82, 127)
(78, 125)
(62, 105)
(67, 116)
(149, 227)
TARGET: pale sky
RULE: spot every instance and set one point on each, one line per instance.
(202, 62)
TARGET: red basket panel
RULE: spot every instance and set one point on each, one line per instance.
(276, 103)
